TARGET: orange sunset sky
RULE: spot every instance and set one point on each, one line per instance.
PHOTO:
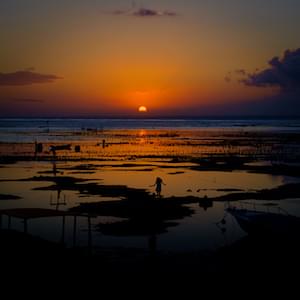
(61, 58)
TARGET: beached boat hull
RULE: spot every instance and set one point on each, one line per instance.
(257, 222)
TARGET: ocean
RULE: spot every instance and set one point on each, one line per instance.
(28, 129)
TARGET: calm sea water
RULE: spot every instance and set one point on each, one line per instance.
(19, 130)
(77, 124)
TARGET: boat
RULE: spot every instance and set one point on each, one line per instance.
(260, 222)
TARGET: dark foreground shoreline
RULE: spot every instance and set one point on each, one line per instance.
(260, 256)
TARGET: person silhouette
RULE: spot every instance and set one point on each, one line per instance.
(158, 183)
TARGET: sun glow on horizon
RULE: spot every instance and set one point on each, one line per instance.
(143, 109)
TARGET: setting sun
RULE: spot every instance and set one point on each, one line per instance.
(143, 109)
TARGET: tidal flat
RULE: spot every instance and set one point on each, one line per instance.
(110, 190)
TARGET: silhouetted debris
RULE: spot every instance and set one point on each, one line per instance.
(54, 148)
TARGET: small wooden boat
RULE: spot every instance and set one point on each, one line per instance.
(259, 222)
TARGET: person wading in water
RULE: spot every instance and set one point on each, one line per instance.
(158, 184)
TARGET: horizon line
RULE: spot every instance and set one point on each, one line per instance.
(153, 117)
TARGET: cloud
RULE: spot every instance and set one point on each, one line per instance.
(26, 77)
(240, 72)
(282, 72)
(26, 100)
(145, 12)
(120, 12)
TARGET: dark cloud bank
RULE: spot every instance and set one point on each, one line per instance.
(26, 77)
(283, 74)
